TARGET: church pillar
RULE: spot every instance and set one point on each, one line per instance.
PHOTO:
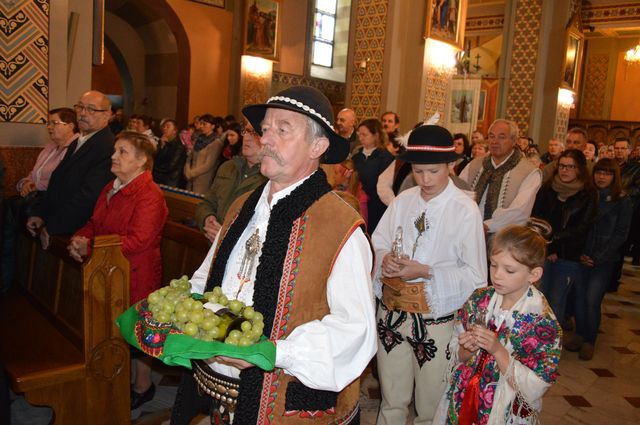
(255, 80)
(394, 67)
(531, 69)
(368, 58)
(438, 70)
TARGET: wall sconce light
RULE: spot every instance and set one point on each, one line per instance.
(440, 56)
(256, 66)
(364, 64)
(565, 98)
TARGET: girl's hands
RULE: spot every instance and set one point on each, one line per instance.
(487, 340)
(468, 341)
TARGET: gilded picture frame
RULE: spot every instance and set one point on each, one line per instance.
(572, 62)
(446, 21)
(262, 29)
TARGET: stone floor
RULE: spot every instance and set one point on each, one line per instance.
(605, 390)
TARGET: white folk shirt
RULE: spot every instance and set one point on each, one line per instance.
(325, 354)
(519, 210)
(453, 246)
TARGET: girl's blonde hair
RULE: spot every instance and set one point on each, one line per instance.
(526, 244)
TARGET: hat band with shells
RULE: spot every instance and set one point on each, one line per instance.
(429, 148)
(301, 106)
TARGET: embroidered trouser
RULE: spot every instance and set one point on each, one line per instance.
(412, 350)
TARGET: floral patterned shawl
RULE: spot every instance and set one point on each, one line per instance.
(532, 336)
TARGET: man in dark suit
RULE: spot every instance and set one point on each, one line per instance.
(78, 180)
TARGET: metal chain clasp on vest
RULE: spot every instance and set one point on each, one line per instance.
(251, 249)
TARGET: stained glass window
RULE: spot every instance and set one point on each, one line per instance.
(324, 32)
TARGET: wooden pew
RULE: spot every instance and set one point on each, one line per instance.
(183, 249)
(60, 345)
(18, 162)
(181, 203)
(65, 350)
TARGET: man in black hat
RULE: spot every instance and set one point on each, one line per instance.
(297, 253)
(430, 256)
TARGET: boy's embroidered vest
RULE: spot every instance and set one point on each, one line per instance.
(510, 183)
(315, 241)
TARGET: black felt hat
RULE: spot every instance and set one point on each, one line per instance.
(429, 144)
(312, 103)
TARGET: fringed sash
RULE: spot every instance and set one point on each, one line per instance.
(492, 177)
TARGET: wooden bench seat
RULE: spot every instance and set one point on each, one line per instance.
(60, 345)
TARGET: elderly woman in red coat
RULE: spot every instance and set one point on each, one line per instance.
(133, 207)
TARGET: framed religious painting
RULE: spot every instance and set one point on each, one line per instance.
(481, 104)
(446, 20)
(572, 63)
(463, 103)
(262, 29)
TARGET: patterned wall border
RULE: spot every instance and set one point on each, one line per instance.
(24, 61)
(611, 13)
(483, 24)
(334, 90)
(523, 62)
(324, 86)
(370, 33)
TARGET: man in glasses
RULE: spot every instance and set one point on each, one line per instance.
(505, 183)
(239, 175)
(85, 169)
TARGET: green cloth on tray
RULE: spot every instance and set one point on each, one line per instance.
(172, 347)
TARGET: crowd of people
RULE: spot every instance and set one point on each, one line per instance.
(484, 249)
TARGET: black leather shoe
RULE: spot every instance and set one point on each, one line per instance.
(138, 399)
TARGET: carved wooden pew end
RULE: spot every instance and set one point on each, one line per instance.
(60, 345)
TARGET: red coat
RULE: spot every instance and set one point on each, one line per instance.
(137, 213)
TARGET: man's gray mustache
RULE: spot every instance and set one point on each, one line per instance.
(272, 154)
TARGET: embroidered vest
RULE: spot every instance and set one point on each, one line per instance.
(315, 240)
(510, 183)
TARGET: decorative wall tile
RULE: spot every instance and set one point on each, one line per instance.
(332, 89)
(370, 31)
(437, 84)
(523, 62)
(24, 61)
(562, 121)
(611, 13)
(484, 24)
(595, 86)
(255, 89)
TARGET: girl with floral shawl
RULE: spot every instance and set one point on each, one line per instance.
(505, 368)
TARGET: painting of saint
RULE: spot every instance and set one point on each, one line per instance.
(461, 106)
(570, 61)
(261, 28)
(444, 20)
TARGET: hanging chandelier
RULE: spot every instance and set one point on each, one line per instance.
(633, 55)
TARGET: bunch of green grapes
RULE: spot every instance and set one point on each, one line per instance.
(236, 324)
(244, 325)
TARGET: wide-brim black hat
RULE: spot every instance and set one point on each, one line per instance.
(429, 144)
(310, 102)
